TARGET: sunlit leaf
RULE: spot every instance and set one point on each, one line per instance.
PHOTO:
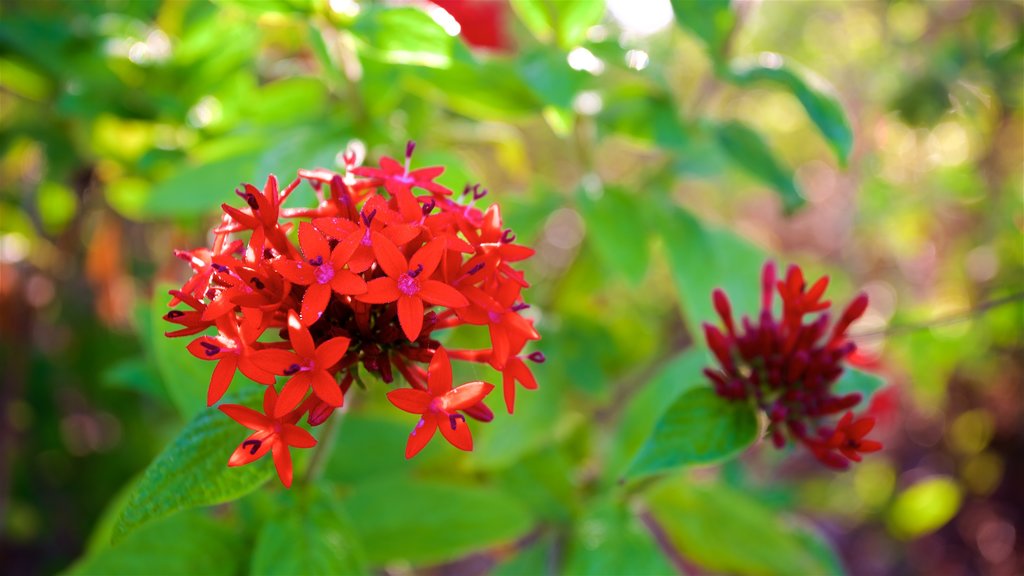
(565, 21)
(749, 151)
(434, 522)
(404, 35)
(726, 531)
(816, 95)
(699, 428)
(201, 189)
(711, 20)
(924, 507)
(193, 470)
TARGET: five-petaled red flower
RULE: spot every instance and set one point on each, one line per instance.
(439, 405)
(322, 272)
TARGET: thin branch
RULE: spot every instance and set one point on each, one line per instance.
(961, 316)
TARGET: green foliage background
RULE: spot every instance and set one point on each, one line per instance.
(880, 143)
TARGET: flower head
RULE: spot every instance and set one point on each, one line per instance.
(385, 260)
(788, 365)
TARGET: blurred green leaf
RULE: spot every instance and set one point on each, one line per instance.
(609, 539)
(271, 6)
(711, 20)
(699, 428)
(193, 471)
(534, 558)
(404, 35)
(554, 493)
(185, 377)
(139, 375)
(749, 151)
(924, 507)
(187, 544)
(310, 535)
(616, 225)
(287, 101)
(369, 447)
(727, 531)
(490, 90)
(854, 380)
(199, 190)
(565, 21)
(434, 522)
(549, 76)
(818, 97)
(702, 258)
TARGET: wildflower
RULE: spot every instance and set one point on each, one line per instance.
(439, 405)
(386, 260)
(787, 366)
(272, 434)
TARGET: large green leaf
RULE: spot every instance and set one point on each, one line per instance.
(200, 189)
(188, 543)
(700, 427)
(185, 377)
(312, 535)
(711, 20)
(490, 90)
(428, 522)
(193, 470)
(609, 539)
(818, 97)
(726, 531)
(404, 35)
(749, 151)
(565, 21)
(616, 228)
(702, 258)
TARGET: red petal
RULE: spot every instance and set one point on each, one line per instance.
(345, 282)
(869, 446)
(313, 243)
(508, 385)
(294, 271)
(342, 253)
(388, 256)
(420, 435)
(410, 400)
(458, 436)
(521, 372)
(295, 436)
(243, 454)
(439, 374)
(221, 379)
(410, 316)
(337, 228)
(314, 302)
(428, 256)
(466, 395)
(380, 291)
(442, 294)
(330, 353)
(283, 463)
(401, 234)
(299, 337)
(499, 343)
(428, 173)
(326, 388)
(274, 360)
(391, 166)
(292, 394)
(253, 371)
(246, 416)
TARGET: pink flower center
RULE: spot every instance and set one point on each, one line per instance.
(404, 179)
(324, 274)
(408, 285)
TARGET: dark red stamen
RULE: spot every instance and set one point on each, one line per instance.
(429, 207)
(252, 445)
(292, 369)
(174, 314)
(257, 283)
(410, 146)
(507, 237)
(417, 271)
(368, 218)
(454, 418)
(318, 261)
(537, 357)
(210, 348)
(520, 306)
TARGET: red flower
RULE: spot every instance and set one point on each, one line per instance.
(307, 366)
(788, 365)
(357, 236)
(272, 434)
(321, 273)
(509, 331)
(483, 23)
(439, 405)
(399, 181)
(232, 349)
(408, 282)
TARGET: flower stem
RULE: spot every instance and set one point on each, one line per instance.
(323, 449)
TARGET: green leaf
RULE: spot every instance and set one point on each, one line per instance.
(727, 531)
(924, 507)
(199, 190)
(491, 90)
(404, 36)
(750, 152)
(699, 428)
(186, 544)
(548, 74)
(565, 21)
(816, 95)
(710, 20)
(616, 228)
(311, 535)
(854, 380)
(193, 470)
(428, 522)
(702, 258)
(609, 539)
(185, 377)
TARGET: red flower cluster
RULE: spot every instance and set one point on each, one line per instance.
(373, 275)
(787, 366)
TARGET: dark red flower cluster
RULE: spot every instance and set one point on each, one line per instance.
(372, 278)
(788, 365)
